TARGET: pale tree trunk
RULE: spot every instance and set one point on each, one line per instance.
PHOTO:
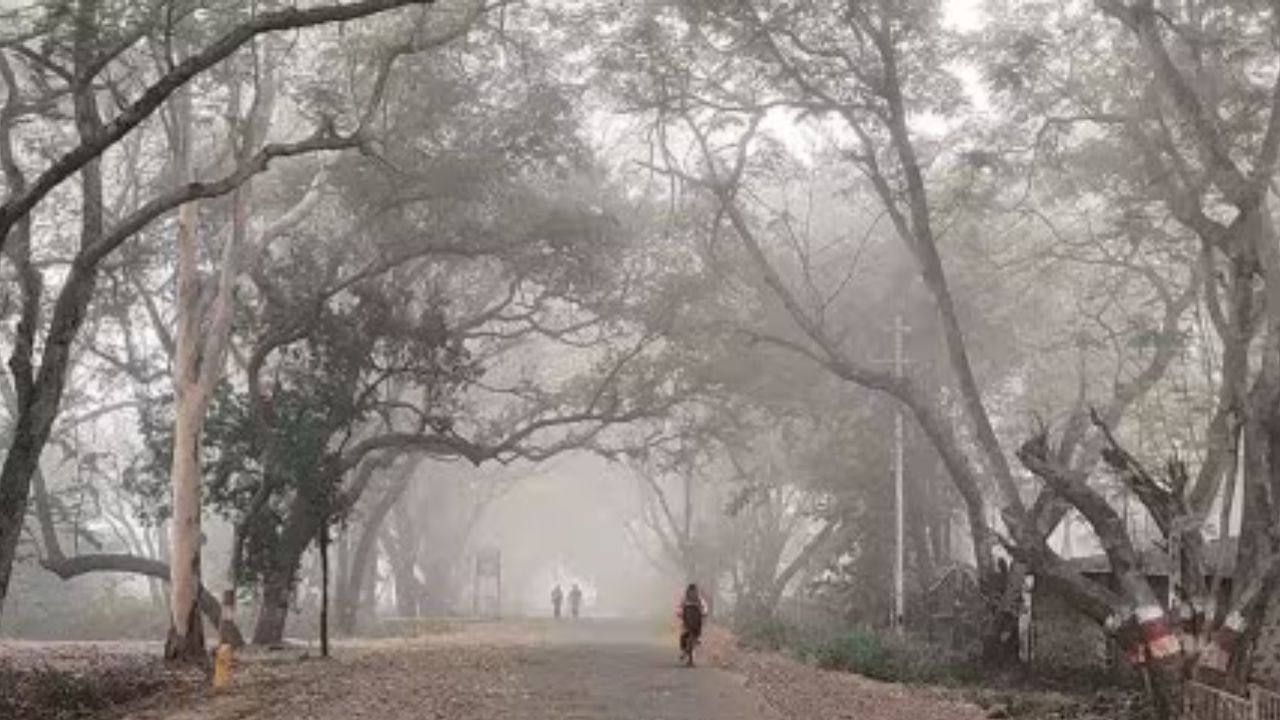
(186, 632)
(185, 641)
(198, 361)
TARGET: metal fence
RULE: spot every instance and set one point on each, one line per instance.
(1266, 703)
(1202, 702)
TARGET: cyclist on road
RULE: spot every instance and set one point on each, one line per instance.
(691, 610)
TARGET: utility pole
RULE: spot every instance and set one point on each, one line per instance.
(899, 548)
(324, 588)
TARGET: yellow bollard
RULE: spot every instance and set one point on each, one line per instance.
(222, 657)
(222, 666)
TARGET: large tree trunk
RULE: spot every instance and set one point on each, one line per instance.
(15, 488)
(301, 527)
(361, 565)
(404, 560)
(1262, 450)
(198, 360)
(273, 613)
(1002, 593)
(407, 587)
(186, 639)
(39, 391)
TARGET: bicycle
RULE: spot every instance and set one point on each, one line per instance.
(689, 642)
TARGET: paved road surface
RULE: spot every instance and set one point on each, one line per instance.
(591, 670)
(612, 671)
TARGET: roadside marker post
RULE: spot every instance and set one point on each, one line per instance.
(223, 659)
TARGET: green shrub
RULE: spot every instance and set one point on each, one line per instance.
(877, 654)
(766, 633)
(884, 655)
(859, 650)
(917, 661)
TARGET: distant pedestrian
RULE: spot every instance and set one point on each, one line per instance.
(575, 600)
(557, 599)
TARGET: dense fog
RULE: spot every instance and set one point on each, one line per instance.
(322, 317)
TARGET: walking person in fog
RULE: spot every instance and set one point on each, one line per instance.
(575, 600)
(557, 599)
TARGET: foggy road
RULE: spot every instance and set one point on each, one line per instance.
(588, 670)
(603, 670)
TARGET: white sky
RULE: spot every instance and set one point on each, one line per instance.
(962, 15)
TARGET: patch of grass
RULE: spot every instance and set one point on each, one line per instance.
(874, 653)
(1101, 704)
(885, 656)
(413, 627)
(1033, 692)
(860, 651)
(767, 634)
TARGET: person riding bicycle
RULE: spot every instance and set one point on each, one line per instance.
(691, 610)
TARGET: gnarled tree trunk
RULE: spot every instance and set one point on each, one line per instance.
(360, 568)
(279, 578)
(273, 613)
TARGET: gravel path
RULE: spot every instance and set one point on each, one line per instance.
(537, 671)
